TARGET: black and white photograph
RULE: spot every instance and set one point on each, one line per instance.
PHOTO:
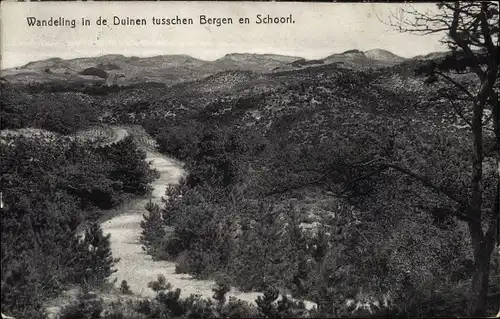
(203, 159)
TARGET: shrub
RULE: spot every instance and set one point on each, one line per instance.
(96, 261)
(153, 230)
(86, 307)
(55, 186)
(125, 288)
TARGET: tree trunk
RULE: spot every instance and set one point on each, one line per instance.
(480, 277)
(480, 281)
(495, 114)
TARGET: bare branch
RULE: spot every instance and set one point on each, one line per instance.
(364, 163)
(462, 43)
(429, 184)
(459, 113)
(465, 210)
(458, 85)
(485, 28)
(363, 177)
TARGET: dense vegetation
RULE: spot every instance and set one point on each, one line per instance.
(368, 192)
(278, 194)
(380, 231)
(169, 304)
(55, 189)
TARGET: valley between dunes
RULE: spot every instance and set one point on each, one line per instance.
(136, 266)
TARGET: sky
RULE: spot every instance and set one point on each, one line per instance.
(319, 29)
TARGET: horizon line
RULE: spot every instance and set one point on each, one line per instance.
(206, 60)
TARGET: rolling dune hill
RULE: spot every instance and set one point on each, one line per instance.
(174, 69)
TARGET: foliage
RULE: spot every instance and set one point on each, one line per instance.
(96, 256)
(54, 188)
(85, 308)
(472, 36)
(125, 288)
(252, 229)
(152, 229)
(60, 112)
(130, 167)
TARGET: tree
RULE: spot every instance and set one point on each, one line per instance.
(96, 253)
(472, 35)
(153, 230)
(125, 288)
(130, 166)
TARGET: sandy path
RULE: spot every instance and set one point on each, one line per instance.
(137, 267)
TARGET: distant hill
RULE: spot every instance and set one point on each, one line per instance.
(252, 62)
(372, 58)
(431, 56)
(169, 69)
(383, 55)
(178, 68)
(350, 56)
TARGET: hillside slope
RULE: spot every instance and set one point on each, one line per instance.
(173, 69)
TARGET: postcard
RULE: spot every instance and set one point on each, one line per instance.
(249, 159)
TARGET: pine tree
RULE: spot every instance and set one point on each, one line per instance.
(160, 284)
(96, 250)
(220, 293)
(152, 229)
(125, 288)
(265, 303)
